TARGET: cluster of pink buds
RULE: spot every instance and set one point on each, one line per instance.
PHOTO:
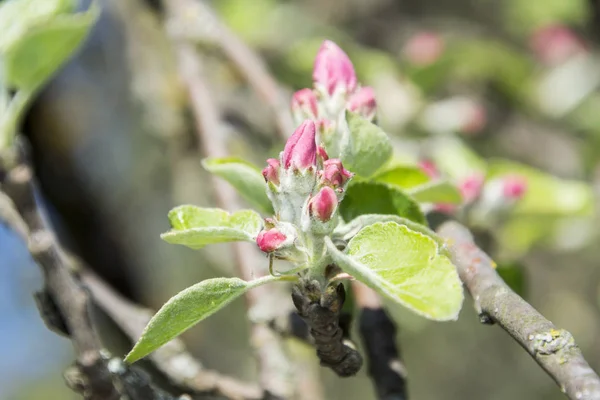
(499, 193)
(335, 90)
(305, 187)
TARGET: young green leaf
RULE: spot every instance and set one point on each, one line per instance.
(40, 48)
(405, 266)
(189, 307)
(404, 176)
(368, 149)
(349, 230)
(196, 227)
(244, 177)
(364, 197)
(436, 192)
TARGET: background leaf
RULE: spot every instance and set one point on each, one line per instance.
(364, 197)
(369, 148)
(244, 177)
(436, 192)
(405, 267)
(32, 58)
(187, 308)
(455, 159)
(404, 176)
(196, 227)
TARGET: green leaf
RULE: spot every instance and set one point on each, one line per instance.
(364, 197)
(546, 194)
(36, 55)
(436, 192)
(404, 176)
(244, 177)
(455, 159)
(369, 148)
(349, 230)
(406, 267)
(196, 227)
(189, 307)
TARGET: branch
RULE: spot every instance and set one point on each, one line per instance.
(201, 23)
(172, 359)
(64, 303)
(554, 349)
(379, 338)
(273, 367)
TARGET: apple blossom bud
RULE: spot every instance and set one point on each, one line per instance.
(334, 174)
(270, 240)
(322, 154)
(363, 102)
(514, 187)
(429, 168)
(424, 49)
(554, 44)
(471, 186)
(475, 119)
(300, 151)
(271, 171)
(333, 69)
(324, 204)
(305, 105)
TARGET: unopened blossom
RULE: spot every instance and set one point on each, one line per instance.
(333, 69)
(363, 102)
(554, 44)
(424, 49)
(429, 168)
(324, 204)
(471, 186)
(271, 171)
(322, 154)
(514, 187)
(305, 104)
(300, 151)
(270, 240)
(334, 174)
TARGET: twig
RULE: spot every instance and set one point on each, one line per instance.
(64, 303)
(554, 349)
(378, 334)
(273, 366)
(172, 359)
(200, 16)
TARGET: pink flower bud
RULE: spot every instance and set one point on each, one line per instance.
(363, 102)
(429, 168)
(323, 205)
(333, 69)
(322, 154)
(471, 186)
(334, 174)
(271, 171)
(554, 44)
(424, 49)
(270, 240)
(300, 151)
(514, 187)
(475, 118)
(304, 103)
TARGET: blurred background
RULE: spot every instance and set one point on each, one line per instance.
(513, 85)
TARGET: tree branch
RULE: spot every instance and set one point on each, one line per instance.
(554, 349)
(274, 370)
(378, 334)
(64, 303)
(172, 359)
(196, 21)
